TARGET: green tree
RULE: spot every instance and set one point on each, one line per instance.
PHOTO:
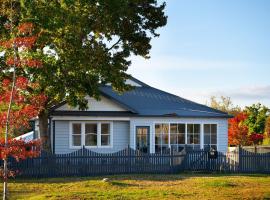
(257, 115)
(81, 45)
(224, 104)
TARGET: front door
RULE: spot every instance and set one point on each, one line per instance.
(143, 138)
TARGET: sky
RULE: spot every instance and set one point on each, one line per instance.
(211, 48)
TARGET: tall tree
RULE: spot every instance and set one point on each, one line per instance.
(224, 104)
(238, 130)
(18, 102)
(83, 44)
(257, 115)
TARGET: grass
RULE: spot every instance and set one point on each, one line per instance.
(181, 186)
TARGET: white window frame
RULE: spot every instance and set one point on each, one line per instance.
(210, 134)
(178, 122)
(83, 134)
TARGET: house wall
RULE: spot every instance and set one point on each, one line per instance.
(222, 129)
(93, 105)
(120, 138)
(124, 133)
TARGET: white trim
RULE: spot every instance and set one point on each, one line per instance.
(98, 134)
(185, 133)
(217, 144)
(70, 136)
(201, 136)
(180, 122)
(81, 118)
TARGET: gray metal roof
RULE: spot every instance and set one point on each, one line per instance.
(146, 101)
(149, 101)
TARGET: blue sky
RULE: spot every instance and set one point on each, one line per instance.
(211, 47)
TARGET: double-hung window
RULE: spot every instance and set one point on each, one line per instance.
(177, 136)
(161, 138)
(105, 134)
(76, 134)
(193, 135)
(210, 136)
(91, 134)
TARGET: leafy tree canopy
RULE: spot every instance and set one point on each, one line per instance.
(84, 43)
(80, 45)
(257, 115)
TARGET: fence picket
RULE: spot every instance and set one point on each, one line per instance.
(86, 163)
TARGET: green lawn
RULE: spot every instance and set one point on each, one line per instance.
(181, 186)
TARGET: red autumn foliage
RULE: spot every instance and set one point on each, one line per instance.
(238, 131)
(19, 149)
(26, 28)
(26, 42)
(33, 63)
(24, 106)
(26, 103)
(256, 138)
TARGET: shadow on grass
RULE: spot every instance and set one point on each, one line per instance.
(144, 177)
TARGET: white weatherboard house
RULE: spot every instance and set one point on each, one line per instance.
(145, 118)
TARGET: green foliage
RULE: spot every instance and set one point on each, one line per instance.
(257, 115)
(84, 43)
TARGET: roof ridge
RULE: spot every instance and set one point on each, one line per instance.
(138, 81)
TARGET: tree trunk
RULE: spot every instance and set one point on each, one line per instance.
(44, 131)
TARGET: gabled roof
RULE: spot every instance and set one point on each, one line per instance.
(151, 102)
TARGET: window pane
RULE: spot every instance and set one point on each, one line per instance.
(158, 128)
(76, 140)
(91, 140)
(105, 140)
(173, 128)
(213, 128)
(196, 139)
(206, 138)
(190, 128)
(165, 138)
(165, 128)
(181, 128)
(174, 138)
(105, 129)
(190, 139)
(207, 129)
(196, 128)
(90, 128)
(181, 138)
(213, 138)
(76, 129)
(157, 139)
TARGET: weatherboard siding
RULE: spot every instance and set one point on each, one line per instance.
(120, 138)
(104, 104)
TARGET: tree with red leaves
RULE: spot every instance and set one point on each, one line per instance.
(18, 100)
(238, 130)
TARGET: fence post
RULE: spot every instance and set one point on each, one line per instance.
(129, 160)
(239, 159)
(171, 161)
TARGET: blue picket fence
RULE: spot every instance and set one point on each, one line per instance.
(85, 162)
(88, 163)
